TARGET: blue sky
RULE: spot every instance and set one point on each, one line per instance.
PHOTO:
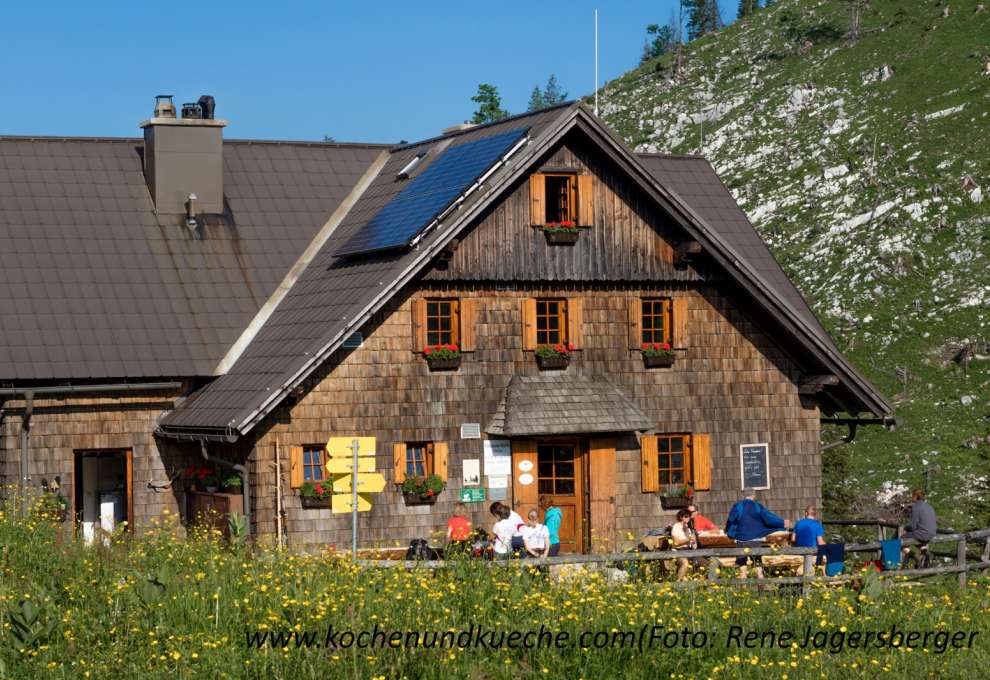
(299, 70)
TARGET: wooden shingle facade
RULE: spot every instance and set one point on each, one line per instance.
(337, 349)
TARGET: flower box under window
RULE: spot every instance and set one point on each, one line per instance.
(561, 233)
(443, 357)
(657, 354)
(553, 357)
(311, 502)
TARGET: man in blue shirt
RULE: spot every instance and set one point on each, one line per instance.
(808, 532)
(749, 523)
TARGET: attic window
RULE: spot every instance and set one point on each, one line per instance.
(561, 198)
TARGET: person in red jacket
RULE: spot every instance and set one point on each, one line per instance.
(699, 522)
(458, 529)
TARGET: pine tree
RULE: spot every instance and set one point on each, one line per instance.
(747, 7)
(489, 105)
(663, 39)
(548, 96)
(552, 94)
(702, 17)
(536, 100)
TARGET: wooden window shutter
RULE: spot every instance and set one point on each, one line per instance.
(469, 319)
(440, 460)
(398, 463)
(418, 312)
(586, 201)
(296, 468)
(679, 323)
(649, 456)
(701, 461)
(537, 198)
(529, 323)
(635, 323)
(525, 497)
(575, 321)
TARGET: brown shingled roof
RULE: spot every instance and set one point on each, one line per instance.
(94, 285)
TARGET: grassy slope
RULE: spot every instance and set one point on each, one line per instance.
(856, 181)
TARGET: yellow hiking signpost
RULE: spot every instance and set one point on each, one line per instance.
(351, 465)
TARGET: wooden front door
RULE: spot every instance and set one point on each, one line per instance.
(560, 475)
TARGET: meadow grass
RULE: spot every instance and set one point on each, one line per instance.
(157, 605)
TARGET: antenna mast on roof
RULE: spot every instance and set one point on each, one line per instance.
(596, 62)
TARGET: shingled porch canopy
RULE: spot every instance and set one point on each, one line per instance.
(564, 404)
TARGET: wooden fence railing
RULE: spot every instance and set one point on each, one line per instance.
(961, 567)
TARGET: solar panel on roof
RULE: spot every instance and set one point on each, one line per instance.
(430, 193)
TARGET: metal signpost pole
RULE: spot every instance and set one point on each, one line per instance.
(354, 500)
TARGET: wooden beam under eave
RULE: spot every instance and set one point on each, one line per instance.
(686, 253)
(815, 384)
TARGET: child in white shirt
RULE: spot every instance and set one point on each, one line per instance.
(536, 536)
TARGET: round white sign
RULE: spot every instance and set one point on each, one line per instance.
(525, 465)
(525, 479)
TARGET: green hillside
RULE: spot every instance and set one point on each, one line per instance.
(865, 164)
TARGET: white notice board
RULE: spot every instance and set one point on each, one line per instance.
(498, 457)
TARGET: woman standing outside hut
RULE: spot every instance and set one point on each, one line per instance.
(552, 516)
(458, 530)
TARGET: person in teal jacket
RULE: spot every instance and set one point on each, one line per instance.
(552, 515)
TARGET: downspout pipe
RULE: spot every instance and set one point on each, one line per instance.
(245, 479)
(845, 440)
(26, 446)
(27, 394)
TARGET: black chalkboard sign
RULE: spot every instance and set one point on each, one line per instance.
(754, 461)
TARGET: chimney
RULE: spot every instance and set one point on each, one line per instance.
(183, 157)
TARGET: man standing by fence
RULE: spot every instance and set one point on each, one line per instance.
(749, 523)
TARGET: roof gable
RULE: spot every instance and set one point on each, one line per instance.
(335, 297)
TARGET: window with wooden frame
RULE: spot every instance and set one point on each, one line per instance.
(547, 321)
(551, 321)
(419, 459)
(441, 321)
(675, 459)
(655, 320)
(307, 464)
(561, 197)
(555, 465)
(658, 319)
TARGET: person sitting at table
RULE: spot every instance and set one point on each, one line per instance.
(809, 532)
(701, 524)
(683, 536)
(748, 524)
